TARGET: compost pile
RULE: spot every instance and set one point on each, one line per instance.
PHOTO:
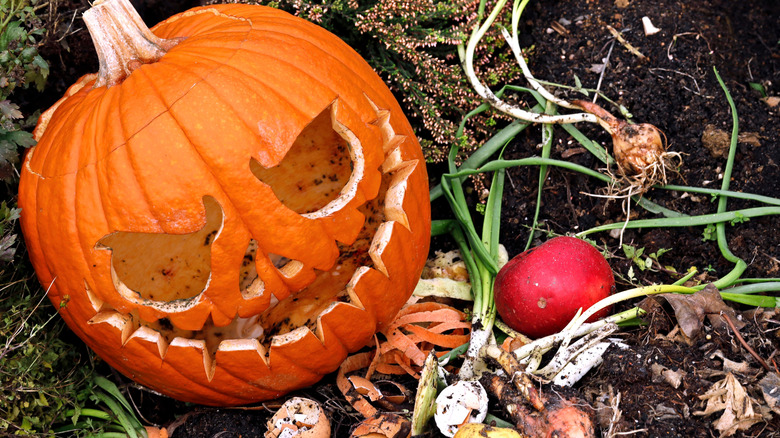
(677, 375)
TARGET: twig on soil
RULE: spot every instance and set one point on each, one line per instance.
(603, 71)
(625, 43)
(744, 344)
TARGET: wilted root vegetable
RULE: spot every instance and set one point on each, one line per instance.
(563, 416)
(639, 149)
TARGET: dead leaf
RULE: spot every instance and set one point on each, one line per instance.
(751, 138)
(729, 396)
(771, 101)
(9, 110)
(672, 377)
(716, 141)
(690, 310)
(730, 366)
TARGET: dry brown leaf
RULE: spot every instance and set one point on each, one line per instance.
(729, 396)
(690, 310)
(672, 377)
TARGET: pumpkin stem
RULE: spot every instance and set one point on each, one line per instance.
(122, 40)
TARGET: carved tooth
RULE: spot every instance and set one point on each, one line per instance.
(122, 323)
(393, 160)
(394, 199)
(350, 287)
(147, 337)
(96, 302)
(390, 140)
(383, 122)
(331, 331)
(241, 351)
(183, 353)
(382, 237)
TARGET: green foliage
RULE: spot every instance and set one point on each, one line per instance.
(20, 66)
(636, 255)
(20, 32)
(758, 87)
(41, 375)
(710, 233)
(115, 416)
(739, 218)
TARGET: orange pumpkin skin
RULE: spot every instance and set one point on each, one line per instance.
(177, 152)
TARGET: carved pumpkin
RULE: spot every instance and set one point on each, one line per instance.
(230, 206)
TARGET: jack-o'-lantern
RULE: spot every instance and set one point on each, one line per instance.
(229, 206)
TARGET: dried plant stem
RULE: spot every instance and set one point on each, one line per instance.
(514, 44)
(467, 57)
(745, 344)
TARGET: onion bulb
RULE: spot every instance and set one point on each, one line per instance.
(639, 149)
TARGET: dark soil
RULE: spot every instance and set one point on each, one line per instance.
(673, 87)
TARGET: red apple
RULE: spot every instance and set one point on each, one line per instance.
(539, 291)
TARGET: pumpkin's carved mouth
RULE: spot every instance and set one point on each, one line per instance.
(172, 272)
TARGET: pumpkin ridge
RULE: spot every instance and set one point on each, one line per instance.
(125, 147)
(198, 11)
(267, 88)
(270, 32)
(80, 112)
(239, 78)
(49, 149)
(310, 34)
(220, 368)
(364, 84)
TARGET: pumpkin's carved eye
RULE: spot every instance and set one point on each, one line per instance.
(315, 169)
(164, 268)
